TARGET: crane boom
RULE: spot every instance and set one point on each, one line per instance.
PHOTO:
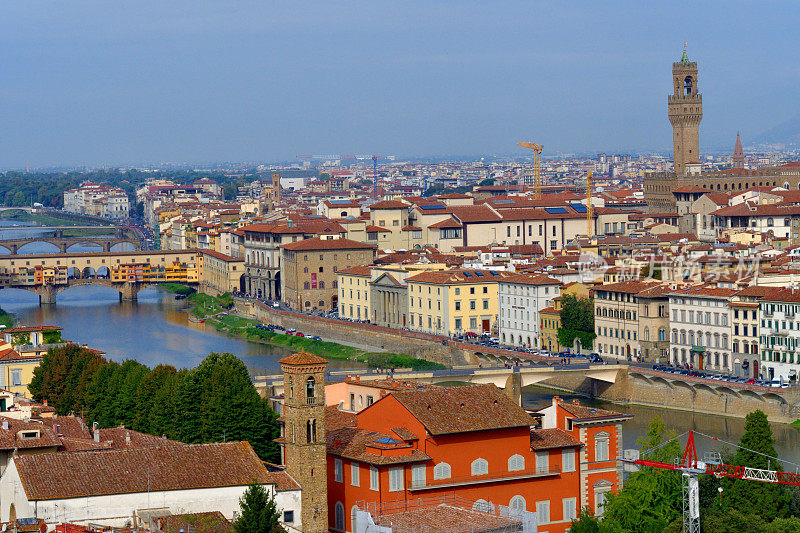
(537, 167)
(589, 206)
(691, 467)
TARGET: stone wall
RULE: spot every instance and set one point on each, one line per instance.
(653, 391)
(396, 341)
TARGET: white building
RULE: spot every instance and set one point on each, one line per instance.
(522, 296)
(107, 487)
(97, 200)
(779, 336)
(701, 328)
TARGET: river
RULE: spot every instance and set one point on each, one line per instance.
(156, 330)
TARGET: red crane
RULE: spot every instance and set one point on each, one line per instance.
(691, 467)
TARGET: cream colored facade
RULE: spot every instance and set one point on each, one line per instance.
(616, 319)
(453, 302)
(354, 293)
(220, 273)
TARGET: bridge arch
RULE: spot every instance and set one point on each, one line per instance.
(123, 246)
(103, 273)
(96, 246)
(661, 381)
(750, 394)
(26, 248)
(727, 390)
(706, 388)
(88, 273)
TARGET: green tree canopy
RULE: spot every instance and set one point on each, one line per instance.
(257, 512)
(577, 321)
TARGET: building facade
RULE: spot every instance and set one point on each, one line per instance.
(701, 328)
(521, 298)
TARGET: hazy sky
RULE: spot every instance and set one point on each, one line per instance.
(118, 82)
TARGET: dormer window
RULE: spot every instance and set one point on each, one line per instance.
(27, 435)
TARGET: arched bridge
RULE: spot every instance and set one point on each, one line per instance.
(57, 239)
(128, 291)
(26, 209)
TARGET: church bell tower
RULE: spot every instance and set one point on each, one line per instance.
(685, 109)
(304, 446)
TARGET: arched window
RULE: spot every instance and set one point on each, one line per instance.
(311, 431)
(662, 334)
(647, 334)
(481, 505)
(321, 284)
(675, 336)
(441, 471)
(518, 503)
(480, 467)
(311, 393)
(339, 516)
(724, 341)
(516, 462)
(688, 85)
(770, 222)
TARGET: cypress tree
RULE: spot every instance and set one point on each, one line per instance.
(258, 512)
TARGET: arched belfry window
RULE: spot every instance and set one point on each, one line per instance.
(311, 394)
(688, 85)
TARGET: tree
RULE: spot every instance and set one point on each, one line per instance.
(577, 321)
(651, 499)
(258, 512)
(767, 500)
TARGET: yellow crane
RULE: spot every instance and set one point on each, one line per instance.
(537, 168)
(589, 206)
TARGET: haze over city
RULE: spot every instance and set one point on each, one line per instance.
(137, 82)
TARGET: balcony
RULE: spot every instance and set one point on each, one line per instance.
(495, 477)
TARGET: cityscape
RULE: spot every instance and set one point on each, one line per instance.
(553, 323)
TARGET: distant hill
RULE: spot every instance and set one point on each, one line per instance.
(786, 133)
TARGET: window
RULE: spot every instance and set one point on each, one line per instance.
(543, 512)
(542, 462)
(601, 447)
(337, 471)
(568, 460)
(486, 304)
(311, 397)
(355, 474)
(418, 476)
(395, 479)
(457, 323)
(569, 508)
(458, 291)
(458, 305)
(339, 516)
(517, 503)
(480, 467)
(441, 471)
(599, 502)
(373, 478)
(288, 517)
(516, 462)
(311, 431)
(16, 378)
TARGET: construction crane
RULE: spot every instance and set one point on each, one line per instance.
(589, 206)
(537, 168)
(691, 467)
(339, 157)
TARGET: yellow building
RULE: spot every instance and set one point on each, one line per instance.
(220, 272)
(453, 302)
(354, 292)
(16, 370)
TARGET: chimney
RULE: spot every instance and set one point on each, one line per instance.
(58, 430)
(127, 438)
(5, 423)
(96, 431)
(576, 402)
(44, 402)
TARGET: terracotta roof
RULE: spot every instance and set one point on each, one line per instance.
(588, 414)
(119, 437)
(55, 476)
(364, 271)
(445, 518)
(373, 229)
(475, 213)
(221, 256)
(410, 228)
(630, 286)
(352, 443)
(303, 358)
(530, 279)
(30, 329)
(389, 204)
(543, 439)
(460, 409)
(316, 243)
(446, 223)
(12, 437)
(751, 210)
(457, 277)
(335, 418)
(691, 189)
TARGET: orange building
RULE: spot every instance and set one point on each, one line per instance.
(472, 442)
(600, 432)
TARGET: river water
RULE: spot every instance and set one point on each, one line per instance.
(156, 330)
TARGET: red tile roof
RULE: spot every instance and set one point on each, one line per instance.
(222, 257)
(460, 409)
(543, 439)
(55, 476)
(446, 223)
(389, 204)
(352, 443)
(302, 358)
(317, 243)
(474, 213)
(456, 277)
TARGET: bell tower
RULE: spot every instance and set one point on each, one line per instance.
(685, 110)
(304, 446)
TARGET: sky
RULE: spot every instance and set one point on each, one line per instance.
(117, 82)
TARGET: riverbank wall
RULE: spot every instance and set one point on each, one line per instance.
(651, 390)
(392, 340)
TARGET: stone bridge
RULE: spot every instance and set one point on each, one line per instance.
(26, 209)
(56, 238)
(128, 290)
